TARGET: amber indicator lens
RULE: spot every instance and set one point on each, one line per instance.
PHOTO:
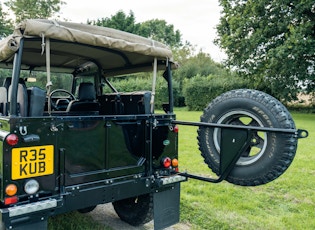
(11, 189)
(175, 162)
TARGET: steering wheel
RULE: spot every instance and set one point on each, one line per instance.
(52, 103)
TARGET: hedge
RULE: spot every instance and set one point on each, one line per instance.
(199, 91)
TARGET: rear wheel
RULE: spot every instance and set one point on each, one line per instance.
(136, 210)
(268, 155)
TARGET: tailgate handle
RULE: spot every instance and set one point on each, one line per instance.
(31, 138)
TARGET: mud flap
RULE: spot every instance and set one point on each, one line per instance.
(42, 225)
(166, 207)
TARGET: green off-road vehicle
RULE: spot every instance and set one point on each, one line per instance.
(70, 141)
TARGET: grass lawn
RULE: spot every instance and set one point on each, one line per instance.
(286, 203)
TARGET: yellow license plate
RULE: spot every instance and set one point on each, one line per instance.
(32, 161)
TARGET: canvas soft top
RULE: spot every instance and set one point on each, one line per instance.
(73, 44)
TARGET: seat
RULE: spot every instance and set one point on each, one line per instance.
(7, 82)
(36, 101)
(86, 101)
(3, 101)
(22, 97)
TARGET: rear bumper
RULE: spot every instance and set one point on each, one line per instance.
(28, 214)
(31, 208)
(172, 179)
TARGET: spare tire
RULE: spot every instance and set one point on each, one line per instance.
(269, 153)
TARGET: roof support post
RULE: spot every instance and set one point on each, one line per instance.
(153, 84)
(15, 79)
(170, 87)
(49, 83)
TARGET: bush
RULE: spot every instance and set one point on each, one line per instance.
(199, 91)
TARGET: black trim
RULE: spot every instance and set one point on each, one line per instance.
(15, 79)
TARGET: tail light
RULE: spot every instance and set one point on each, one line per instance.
(11, 200)
(170, 163)
(166, 162)
(10, 191)
(12, 139)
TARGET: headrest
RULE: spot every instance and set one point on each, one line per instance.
(87, 92)
(7, 82)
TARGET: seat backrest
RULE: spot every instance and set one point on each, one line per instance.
(22, 99)
(37, 98)
(7, 82)
(86, 92)
(3, 101)
(86, 99)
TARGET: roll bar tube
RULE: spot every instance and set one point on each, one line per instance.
(15, 78)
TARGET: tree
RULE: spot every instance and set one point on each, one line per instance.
(5, 23)
(119, 21)
(156, 29)
(24, 9)
(159, 30)
(272, 42)
(199, 64)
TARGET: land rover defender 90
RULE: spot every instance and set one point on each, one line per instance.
(70, 141)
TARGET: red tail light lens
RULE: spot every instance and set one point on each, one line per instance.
(11, 200)
(166, 162)
(12, 139)
(176, 129)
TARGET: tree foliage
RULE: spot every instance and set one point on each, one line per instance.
(199, 64)
(24, 9)
(161, 31)
(156, 29)
(119, 21)
(272, 42)
(5, 23)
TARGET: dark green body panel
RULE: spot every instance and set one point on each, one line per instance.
(92, 148)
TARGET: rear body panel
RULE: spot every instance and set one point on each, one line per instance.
(106, 158)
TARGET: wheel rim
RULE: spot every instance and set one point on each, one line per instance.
(258, 140)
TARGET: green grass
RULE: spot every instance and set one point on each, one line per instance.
(286, 203)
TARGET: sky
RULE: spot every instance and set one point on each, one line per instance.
(196, 20)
